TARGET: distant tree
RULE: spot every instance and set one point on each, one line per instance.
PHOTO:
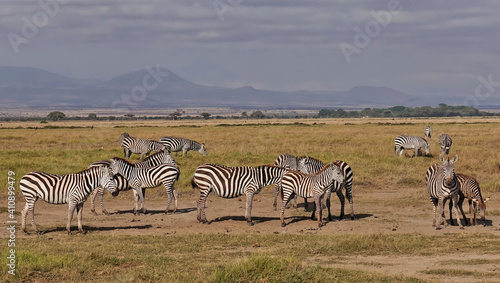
(56, 116)
(258, 115)
(92, 116)
(205, 115)
(129, 115)
(244, 114)
(175, 115)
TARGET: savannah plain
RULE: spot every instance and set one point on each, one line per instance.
(390, 240)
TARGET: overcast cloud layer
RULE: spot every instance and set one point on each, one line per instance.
(419, 47)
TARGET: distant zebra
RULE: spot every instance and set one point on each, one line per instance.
(310, 165)
(231, 182)
(161, 157)
(177, 144)
(428, 132)
(150, 177)
(309, 185)
(445, 143)
(403, 142)
(139, 146)
(469, 188)
(121, 139)
(286, 161)
(72, 189)
(442, 183)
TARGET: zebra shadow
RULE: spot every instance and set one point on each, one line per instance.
(255, 219)
(153, 212)
(74, 230)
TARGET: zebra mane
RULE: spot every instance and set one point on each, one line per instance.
(122, 160)
(326, 167)
(308, 157)
(89, 169)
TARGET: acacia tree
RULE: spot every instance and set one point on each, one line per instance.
(56, 116)
(205, 115)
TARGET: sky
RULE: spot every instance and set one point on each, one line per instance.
(418, 47)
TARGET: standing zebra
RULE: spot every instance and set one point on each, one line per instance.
(72, 189)
(140, 146)
(161, 157)
(288, 162)
(428, 132)
(442, 183)
(149, 177)
(445, 143)
(310, 165)
(177, 144)
(231, 182)
(309, 185)
(403, 142)
(469, 188)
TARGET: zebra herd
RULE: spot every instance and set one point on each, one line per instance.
(443, 183)
(293, 177)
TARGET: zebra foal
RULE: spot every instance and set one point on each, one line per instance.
(72, 189)
(139, 146)
(428, 132)
(149, 177)
(288, 162)
(445, 143)
(232, 182)
(177, 144)
(403, 142)
(442, 183)
(309, 185)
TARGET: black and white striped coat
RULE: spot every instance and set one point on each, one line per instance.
(148, 177)
(72, 189)
(161, 157)
(445, 143)
(309, 185)
(288, 162)
(470, 190)
(139, 146)
(231, 182)
(403, 142)
(309, 165)
(442, 183)
(177, 144)
(428, 132)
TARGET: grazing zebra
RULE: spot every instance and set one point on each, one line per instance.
(286, 161)
(72, 189)
(403, 142)
(150, 177)
(469, 188)
(310, 165)
(161, 157)
(231, 182)
(309, 185)
(140, 146)
(445, 143)
(428, 132)
(177, 144)
(442, 183)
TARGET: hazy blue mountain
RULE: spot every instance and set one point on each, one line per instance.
(160, 87)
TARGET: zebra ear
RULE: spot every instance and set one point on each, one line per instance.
(441, 158)
(455, 159)
(475, 200)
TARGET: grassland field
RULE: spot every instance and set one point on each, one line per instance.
(391, 239)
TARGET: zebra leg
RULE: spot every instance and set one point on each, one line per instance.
(79, 213)
(143, 204)
(440, 214)
(276, 192)
(319, 211)
(93, 194)
(171, 195)
(306, 205)
(29, 208)
(434, 209)
(284, 202)
(455, 207)
(71, 211)
(201, 205)
(248, 213)
(460, 206)
(341, 197)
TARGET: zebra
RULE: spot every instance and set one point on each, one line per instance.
(177, 144)
(309, 185)
(72, 189)
(469, 188)
(289, 162)
(143, 146)
(161, 157)
(445, 143)
(150, 177)
(231, 182)
(311, 165)
(428, 132)
(442, 183)
(403, 142)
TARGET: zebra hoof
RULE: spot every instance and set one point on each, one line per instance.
(283, 224)
(250, 223)
(438, 228)
(352, 218)
(462, 228)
